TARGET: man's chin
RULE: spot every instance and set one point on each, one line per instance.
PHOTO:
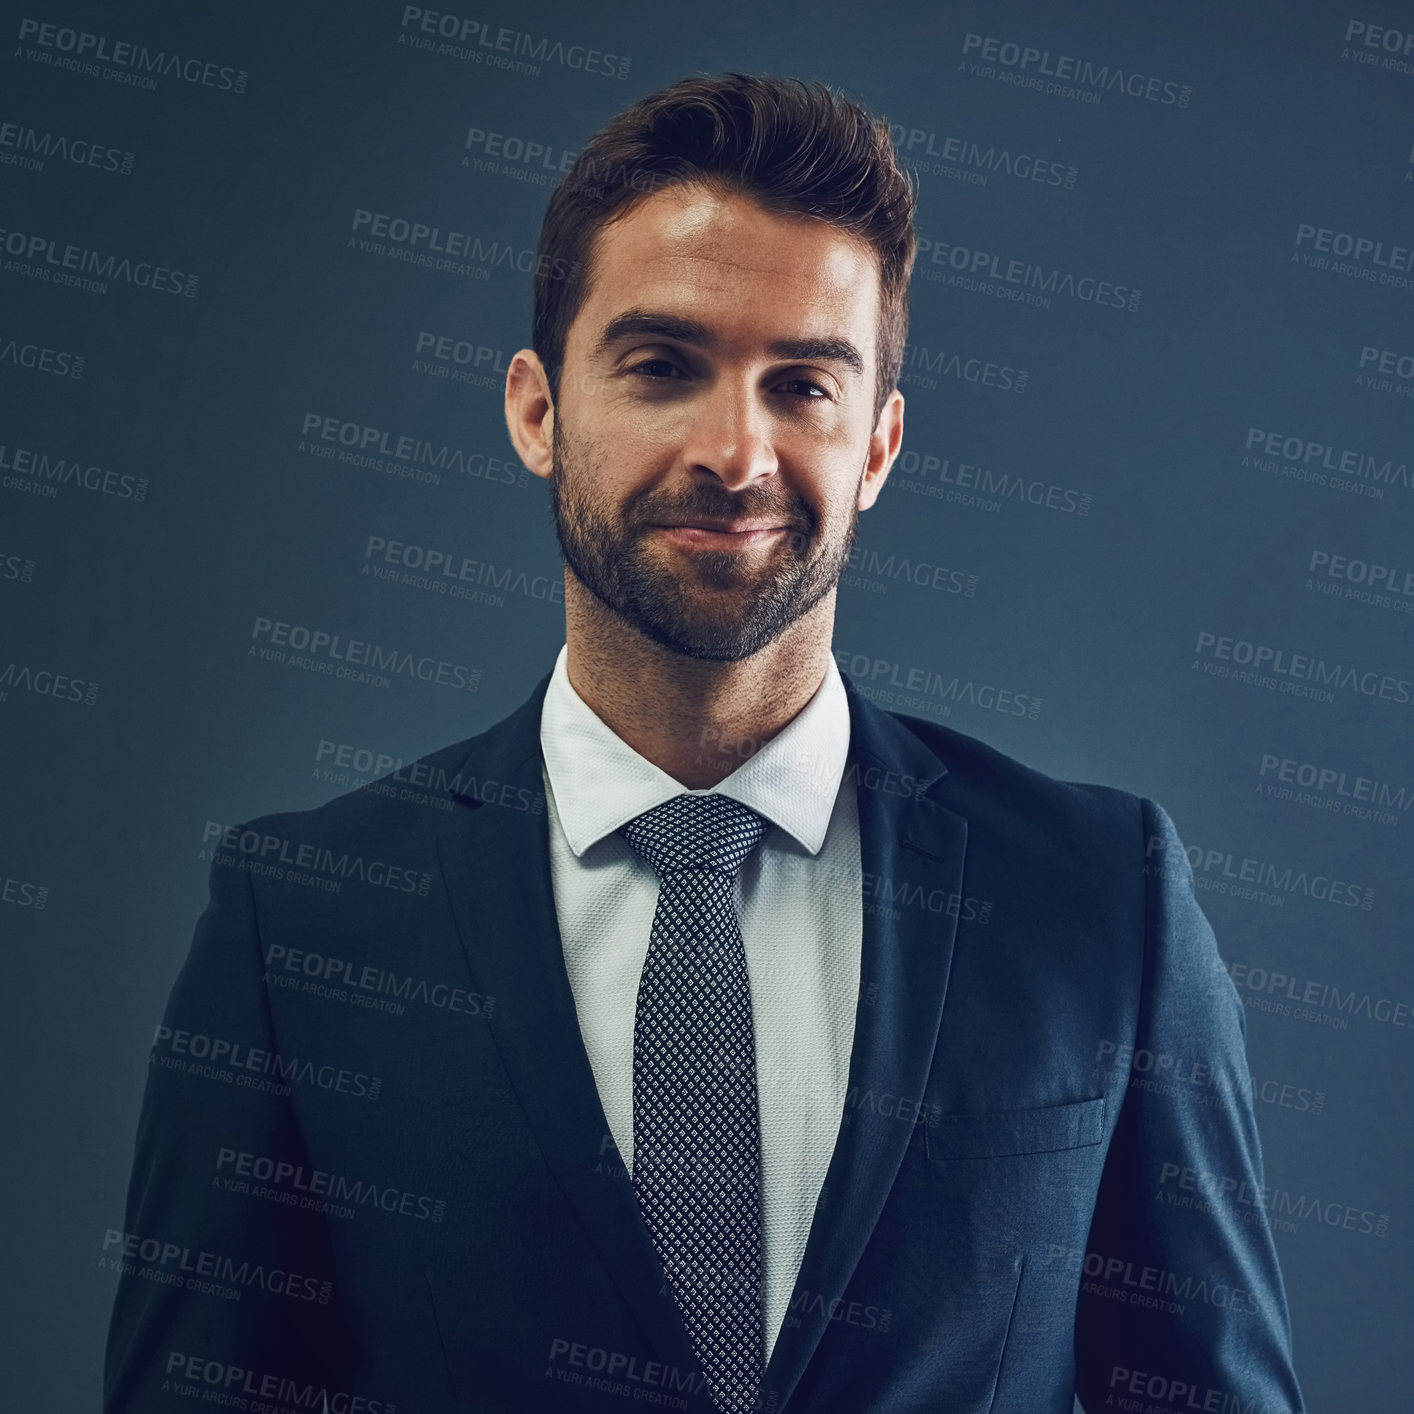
(709, 648)
(715, 636)
(712, 572)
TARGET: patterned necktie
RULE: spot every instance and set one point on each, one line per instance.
(696, 1129)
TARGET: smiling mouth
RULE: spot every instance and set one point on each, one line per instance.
(727, 537)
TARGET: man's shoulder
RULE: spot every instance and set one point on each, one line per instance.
(1075, 849)
(992, 789)
(411, 803)
(414, 801)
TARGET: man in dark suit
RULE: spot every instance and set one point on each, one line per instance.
(702, 1036)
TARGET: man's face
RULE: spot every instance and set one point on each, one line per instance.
(713, 426)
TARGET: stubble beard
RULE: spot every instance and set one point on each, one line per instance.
(717, 606)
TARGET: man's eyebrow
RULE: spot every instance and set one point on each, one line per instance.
(642, 323)
(819, 351)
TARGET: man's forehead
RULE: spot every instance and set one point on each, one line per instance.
(693, 251)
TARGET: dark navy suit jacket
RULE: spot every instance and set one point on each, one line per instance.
(373, 1172)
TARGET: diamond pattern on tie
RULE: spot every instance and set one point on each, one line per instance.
(696, 1128)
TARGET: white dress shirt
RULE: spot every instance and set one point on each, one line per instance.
(800, 905)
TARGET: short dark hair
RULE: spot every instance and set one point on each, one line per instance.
(793, 147)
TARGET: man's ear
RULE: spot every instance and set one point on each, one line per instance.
(884, 443)
(530, 412)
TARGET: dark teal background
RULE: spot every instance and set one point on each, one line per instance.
(1141, 416)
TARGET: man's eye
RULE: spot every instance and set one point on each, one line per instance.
(803, 386)
(657, 368)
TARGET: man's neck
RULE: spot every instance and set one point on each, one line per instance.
(696, 720)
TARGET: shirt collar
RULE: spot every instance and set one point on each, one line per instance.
(600, 782)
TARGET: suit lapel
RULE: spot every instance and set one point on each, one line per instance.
(496, 866)
(911, 851)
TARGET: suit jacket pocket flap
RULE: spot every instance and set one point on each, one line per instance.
(1001, 1132)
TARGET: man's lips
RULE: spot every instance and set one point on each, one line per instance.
(720, 534)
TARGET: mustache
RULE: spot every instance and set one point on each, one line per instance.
(718, 503)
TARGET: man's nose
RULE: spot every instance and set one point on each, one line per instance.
(731, 436)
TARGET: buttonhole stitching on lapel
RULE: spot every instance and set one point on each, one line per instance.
(927, 853)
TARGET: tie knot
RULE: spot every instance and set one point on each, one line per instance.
(696, 832)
